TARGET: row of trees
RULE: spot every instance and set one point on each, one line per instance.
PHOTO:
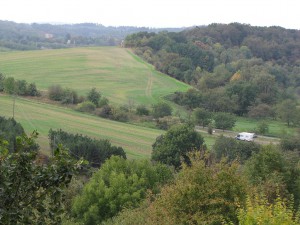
(202, 104)
(17, 87)
(79, 146)
(38, 36)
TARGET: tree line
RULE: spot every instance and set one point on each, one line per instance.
(17, 87)
(20, 36)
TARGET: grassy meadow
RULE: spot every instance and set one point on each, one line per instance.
(137, 141)
(115, 72)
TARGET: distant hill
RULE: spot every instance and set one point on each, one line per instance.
(20, 36)
(235, 68)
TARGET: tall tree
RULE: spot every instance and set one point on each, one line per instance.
(224, 121)
(174, 146)
(94, 96)
(287, 111)
(202, 117)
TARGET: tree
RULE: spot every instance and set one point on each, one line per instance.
(31, 192)
(174, 146)
(56, 92)
(21, 87)
(261, 111)
(9, 85)
(233, 149)
(2, 78)
(118, 184)
(32, 90)
(94, 96)
(10, 130)
(161, 109)
(224, 120)
(262, 127)
(287, 111)
(202, 117)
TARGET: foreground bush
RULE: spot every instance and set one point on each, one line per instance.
(117, 184)
(32, 192)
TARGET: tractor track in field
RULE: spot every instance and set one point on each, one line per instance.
(149, 85)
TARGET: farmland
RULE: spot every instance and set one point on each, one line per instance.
(115, 72)
(136, 141)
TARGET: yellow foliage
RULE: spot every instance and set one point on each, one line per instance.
(235, 77)
(259, 211)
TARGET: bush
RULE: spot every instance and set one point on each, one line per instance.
(86, 107)
(103, 101)
(106, 112)
(142, 110)
(120, 115)
(55, 93)
(161, 109)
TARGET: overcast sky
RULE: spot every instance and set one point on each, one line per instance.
(154, 13)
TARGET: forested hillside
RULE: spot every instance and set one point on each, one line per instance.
(234, 68)
(39, 36)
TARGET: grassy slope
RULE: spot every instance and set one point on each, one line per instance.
(137, 141)
(116, 72)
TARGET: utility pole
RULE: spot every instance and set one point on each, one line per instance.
(14, 103)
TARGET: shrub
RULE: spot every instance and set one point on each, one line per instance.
(161, 109)
(142, 110)
(55, 93)
(86, 107)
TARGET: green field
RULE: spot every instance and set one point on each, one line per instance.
(137, 141)
(116, 72)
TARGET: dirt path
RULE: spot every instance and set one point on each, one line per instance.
(227, 133)
(149, 85)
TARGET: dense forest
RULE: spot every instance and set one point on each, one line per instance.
(40, 36)
(235, 68)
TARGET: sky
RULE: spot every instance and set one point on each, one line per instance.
(154, 13)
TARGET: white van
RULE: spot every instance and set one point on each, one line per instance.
(244, 136)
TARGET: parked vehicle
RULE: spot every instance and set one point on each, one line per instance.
(245, 136)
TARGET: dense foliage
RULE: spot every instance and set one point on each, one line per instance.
(117, 184)
(32, 192)
(95, 151)
(10, 130)
(172, 148)
(234, 68)
(202, 193)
